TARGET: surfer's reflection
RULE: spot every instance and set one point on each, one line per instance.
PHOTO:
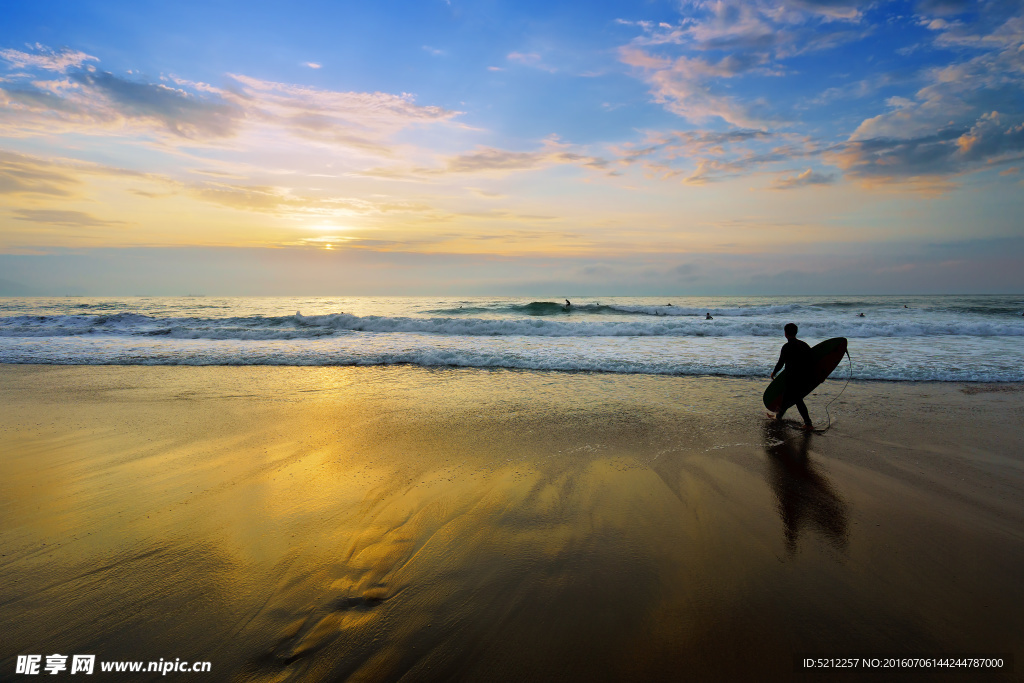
(805, 496)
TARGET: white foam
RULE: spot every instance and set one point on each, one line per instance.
(943, 338)
(983, 360)
(716, 312)
(312, 327)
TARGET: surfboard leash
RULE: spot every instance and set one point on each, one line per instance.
(850, 359)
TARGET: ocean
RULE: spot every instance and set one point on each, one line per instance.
(911, 338)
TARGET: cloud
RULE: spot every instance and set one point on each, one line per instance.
(965, 115)
(485, 159)
(69, 219)
(989, 139)
(713, 26)
(495, 161)
(765, 28)
(711, 170)
(950, 151)
(99, 102)
(34, 177)
(247, 198)
(26, 175)
(858, 89)
(36, 99)
(182, 113)
(312, 65)
(284, 201)
(59, 177)
(685, 87)
(47, 59)
(490, 194)
(688, 64)
(701, 156)
(808, 177)
(531, 59)
(835, 9)
(957, 93)
(504, 215)
(356, 119)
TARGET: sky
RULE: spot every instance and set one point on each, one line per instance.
(447, 147)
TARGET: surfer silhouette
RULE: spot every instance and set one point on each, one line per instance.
(708, 316)
(796, 358)
(568, 304)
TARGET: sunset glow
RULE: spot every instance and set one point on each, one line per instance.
(698, 147)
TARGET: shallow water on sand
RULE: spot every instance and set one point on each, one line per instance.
(381, 523)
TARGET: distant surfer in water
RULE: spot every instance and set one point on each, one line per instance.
(796, 358)
(708, 316)
(568, 304)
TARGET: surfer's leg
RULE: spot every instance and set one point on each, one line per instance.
(803, 411)
(786, 403)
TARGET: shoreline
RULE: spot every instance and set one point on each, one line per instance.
(315, 523)
(832, 381)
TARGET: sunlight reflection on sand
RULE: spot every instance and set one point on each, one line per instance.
(323, 523)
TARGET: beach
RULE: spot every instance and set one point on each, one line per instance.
(421, 342)
(397, 522)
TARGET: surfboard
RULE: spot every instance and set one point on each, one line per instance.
(825, 357)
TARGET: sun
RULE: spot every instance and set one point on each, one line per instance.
(326, 242)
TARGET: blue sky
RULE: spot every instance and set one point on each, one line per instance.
(498, 147)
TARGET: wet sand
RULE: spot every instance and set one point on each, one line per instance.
(377, 524)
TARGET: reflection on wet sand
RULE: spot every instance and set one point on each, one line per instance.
(456, 577)
(805, 497)
(387, 524)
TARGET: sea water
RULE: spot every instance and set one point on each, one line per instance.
(938, 338)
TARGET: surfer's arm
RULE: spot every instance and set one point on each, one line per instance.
(778, 366)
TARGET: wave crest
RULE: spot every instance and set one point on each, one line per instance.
(300, 326)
